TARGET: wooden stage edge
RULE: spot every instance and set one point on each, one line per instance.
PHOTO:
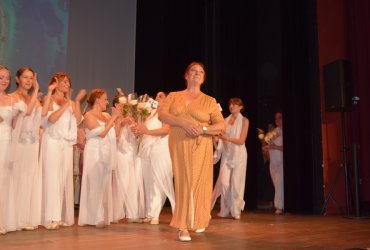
(255, 230)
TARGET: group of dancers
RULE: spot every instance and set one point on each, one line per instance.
(36, 158)
(127, 169)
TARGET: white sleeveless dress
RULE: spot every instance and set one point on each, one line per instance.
(27, 170)
(157, 170)
(8, 221)
(96, 186)
(57, 166)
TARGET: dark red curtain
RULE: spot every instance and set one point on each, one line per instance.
(359, 53)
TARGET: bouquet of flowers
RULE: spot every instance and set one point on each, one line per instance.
(139, 108)
(269, 136)
(266, 138)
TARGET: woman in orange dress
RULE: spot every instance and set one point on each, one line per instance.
(194, 118)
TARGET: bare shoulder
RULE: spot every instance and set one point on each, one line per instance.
(106, 115)
(245, 121)
(6, 100)
(88, 118)
(14, 95)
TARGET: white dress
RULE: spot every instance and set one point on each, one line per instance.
(27, 170)
(277, 170)
(8, 221)
(96, 185)
(157, 170)
(128, 175)
(57, 165)
(230, 184)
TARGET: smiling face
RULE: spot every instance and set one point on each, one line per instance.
(64, 85)
(4, 79)
(102, 101)
(195, 74)
(24, 78)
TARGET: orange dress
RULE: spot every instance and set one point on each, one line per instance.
(192, 160)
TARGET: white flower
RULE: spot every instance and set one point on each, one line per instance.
(271, 136)
(122, 99)
(141, 105)
(133, 102)
(152, 103)
(261, 136)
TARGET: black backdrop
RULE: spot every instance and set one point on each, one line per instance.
(264, 52)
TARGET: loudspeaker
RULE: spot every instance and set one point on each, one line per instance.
(338, 86)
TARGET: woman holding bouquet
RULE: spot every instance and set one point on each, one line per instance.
(275, 149)
(130, 185)
(194, 118)
(100, 152)
(231, 149)
(155, 162)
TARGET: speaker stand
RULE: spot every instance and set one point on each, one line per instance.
(345, 162)
(344, 167)
(330, 194)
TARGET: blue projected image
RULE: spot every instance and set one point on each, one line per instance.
(33, 33)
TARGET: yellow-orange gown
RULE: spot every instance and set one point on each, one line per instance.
(192, 160)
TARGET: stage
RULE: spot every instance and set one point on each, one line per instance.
(255, 230)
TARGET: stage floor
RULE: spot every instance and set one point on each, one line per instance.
(255, 230)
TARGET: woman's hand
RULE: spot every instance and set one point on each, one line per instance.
(134, 129)
(127, 120)
(52, 87)
(80, 95)
(69, 95)
(223, 137)
(141, 129)
(265, 148)
(192, 130)
(116, 111)
(35, 83)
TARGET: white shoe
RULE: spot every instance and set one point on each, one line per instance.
(52, 226)
(139, 221)
(101, 225)
(279, 211)
(146, 219)
(28, 227)
(154, 221)
(200, 230)
(222, 215)
(63, 224)
(236, 217)
(184, 235)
